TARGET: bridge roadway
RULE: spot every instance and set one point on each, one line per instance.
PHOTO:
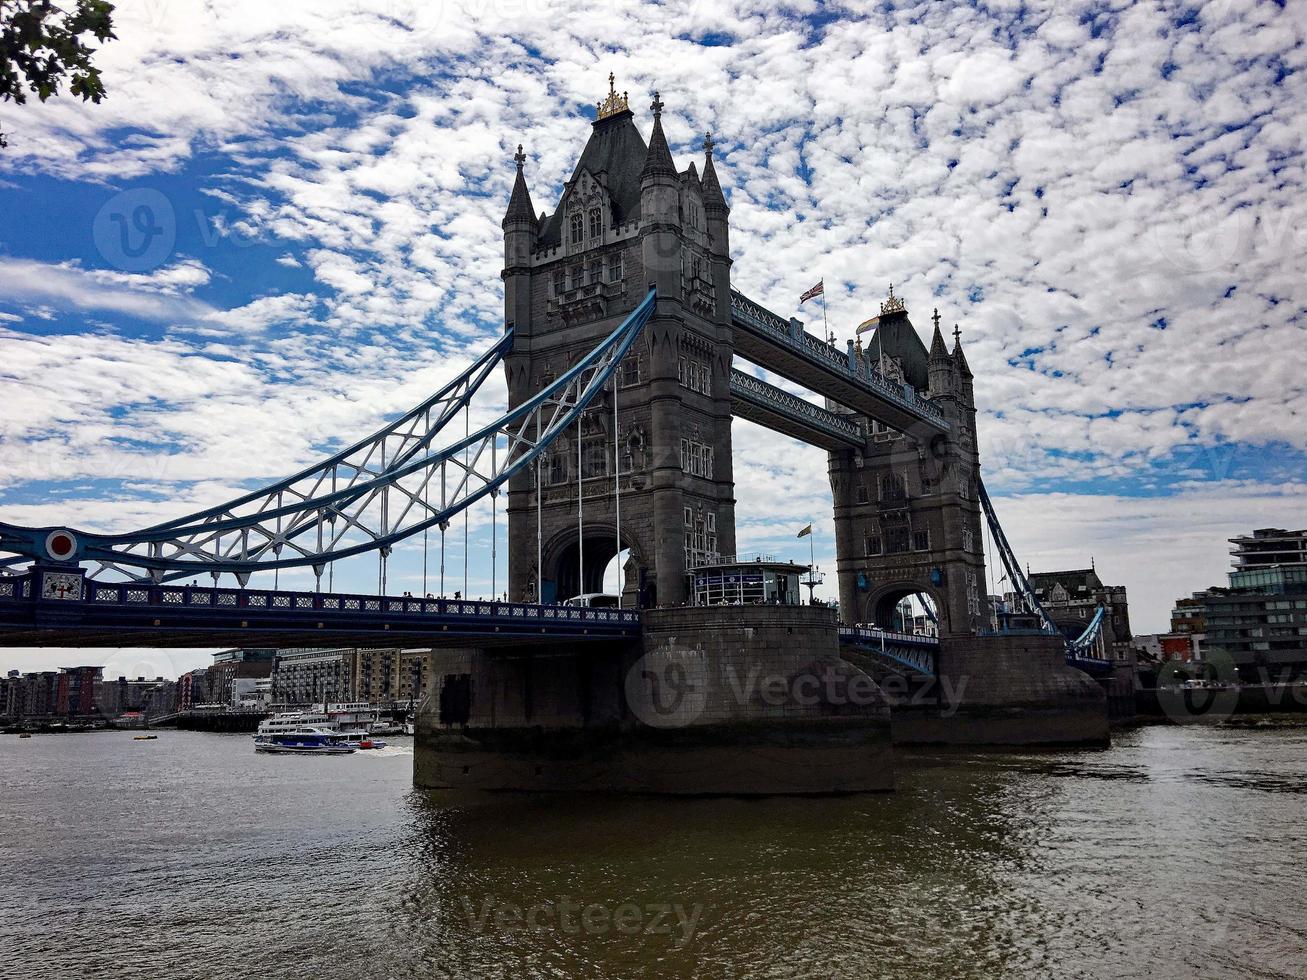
(174, 616)
(785, 348)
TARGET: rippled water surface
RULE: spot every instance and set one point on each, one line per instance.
(1180, 852)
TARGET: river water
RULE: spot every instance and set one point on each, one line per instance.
(1180, 852)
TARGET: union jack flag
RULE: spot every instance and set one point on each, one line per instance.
(816, 290)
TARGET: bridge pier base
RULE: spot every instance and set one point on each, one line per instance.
(1011, 689)
(721, 700)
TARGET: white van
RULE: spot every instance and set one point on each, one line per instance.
(595, 600)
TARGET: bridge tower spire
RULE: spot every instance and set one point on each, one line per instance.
(907, 510)
(627, 219)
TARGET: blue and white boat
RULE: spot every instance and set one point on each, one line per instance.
(306, 740)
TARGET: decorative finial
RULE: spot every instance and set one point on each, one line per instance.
(657, 106)
(857, 346)
(893, 304)
(708, 144)
(613, 104)
(957, 334)
(519, 157)
(935, 317)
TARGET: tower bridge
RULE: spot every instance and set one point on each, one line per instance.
(622, 331)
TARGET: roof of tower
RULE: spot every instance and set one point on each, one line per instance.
(658, 160)
(895, 336)
(617, 150)
(963, 367)
(691, 173)
(712, 188)
(938, 349)
(519, 205)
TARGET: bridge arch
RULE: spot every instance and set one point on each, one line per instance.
(881, 604)
(560, 558)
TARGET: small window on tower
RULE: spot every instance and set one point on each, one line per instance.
(615, 267)
(596, 223)
(577, 277)
(577, 228)
(873, 545)
(596, 272)
(560, 282)
(920, 540)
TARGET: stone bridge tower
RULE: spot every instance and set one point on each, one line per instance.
(907, 507)
(626, 219)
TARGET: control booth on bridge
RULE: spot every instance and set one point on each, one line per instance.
(761, 581)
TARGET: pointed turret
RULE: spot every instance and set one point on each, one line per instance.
(519, 205)
(938, 349)
(658, 160)
(713, 198)
(964, 371)
(959, 358)
(940, 365)
(521, 233)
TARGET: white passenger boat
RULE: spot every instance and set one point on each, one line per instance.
(306, 740)
(289, 721)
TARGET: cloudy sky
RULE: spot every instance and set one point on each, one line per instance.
(1107, 197)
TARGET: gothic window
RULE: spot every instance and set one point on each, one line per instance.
(704, 385)
(692, 215)
(560, 282)
(862, 493)
(577, 277)
(576, 228)
(558, 467)
(968, 540)
(594, 457)
(695, 264)
(893, 486)
(921, 540)
(596, 223)
(596, 272)
(615, 267)
(897, 537)
(873, 545)
(631, 371)
(688, 513)
(696, 458)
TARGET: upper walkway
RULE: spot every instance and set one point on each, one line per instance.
(784, 347)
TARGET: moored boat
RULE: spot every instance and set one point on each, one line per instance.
(306, 740)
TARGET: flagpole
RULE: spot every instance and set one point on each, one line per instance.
(824, 323)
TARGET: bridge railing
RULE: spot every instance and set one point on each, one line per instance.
(889, 636)
(759, 318)
(792, 405)
(195, 598)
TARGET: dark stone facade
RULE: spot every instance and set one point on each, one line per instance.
(752, 700)
(907, 506)
(627, 220)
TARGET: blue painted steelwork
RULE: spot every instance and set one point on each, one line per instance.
(754, 317)
(1078, 649)
(322, 524)
(1010, 563)
(113, 614)
(916, 653)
